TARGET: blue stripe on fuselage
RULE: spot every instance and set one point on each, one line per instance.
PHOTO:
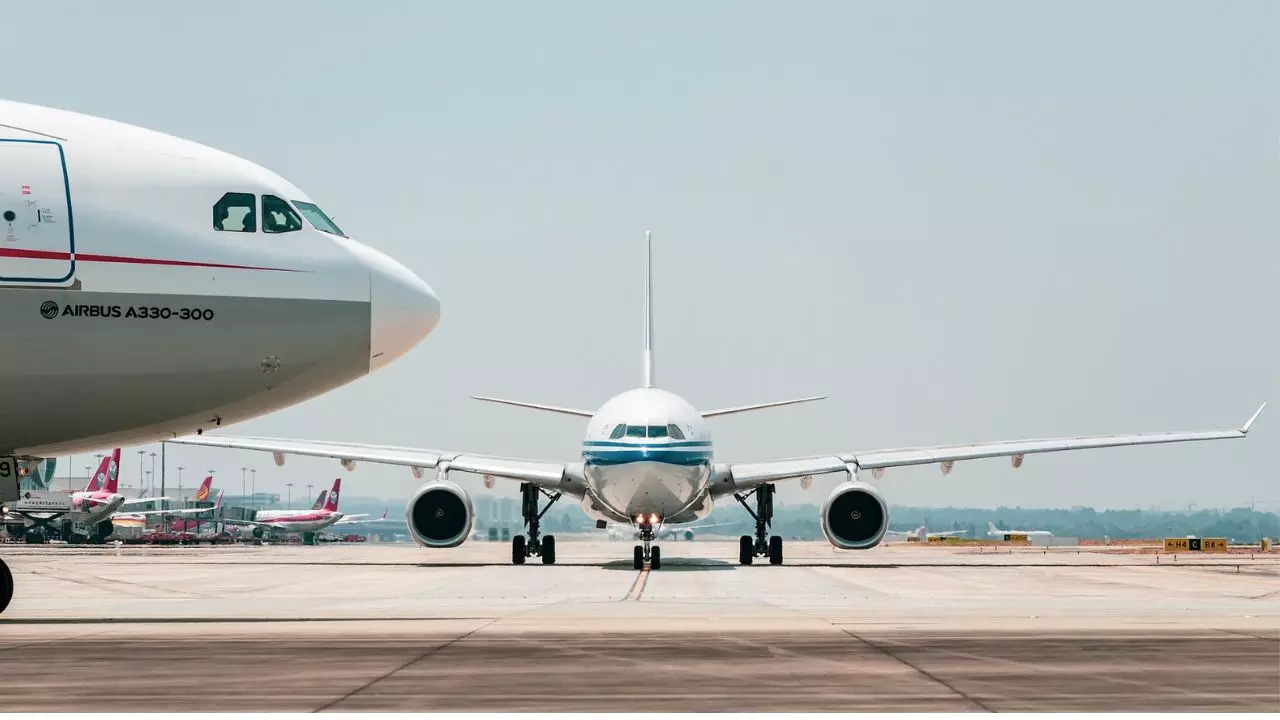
(619, 456)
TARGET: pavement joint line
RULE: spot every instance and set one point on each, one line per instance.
(917, 668)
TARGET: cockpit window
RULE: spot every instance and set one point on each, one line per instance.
(636, 431)
(234, 213)
(657, 431)
(617, 432)
(278, 217)
(675, 432)
(317, 218)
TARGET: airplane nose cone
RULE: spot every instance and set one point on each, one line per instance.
(403, 310)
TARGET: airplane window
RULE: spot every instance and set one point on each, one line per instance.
(617, 432)
(234, 213)
(657, 431)
(675, 432)
(317, 218)
(636, 431)
(278, 217)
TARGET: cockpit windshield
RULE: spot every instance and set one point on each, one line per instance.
(317, 218)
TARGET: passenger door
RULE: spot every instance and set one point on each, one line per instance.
(37, 244)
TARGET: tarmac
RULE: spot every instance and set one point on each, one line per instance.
(372, 627)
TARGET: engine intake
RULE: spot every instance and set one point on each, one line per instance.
(440, 515)
(855, 516)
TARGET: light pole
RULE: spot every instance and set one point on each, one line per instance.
(140, 454)
(288, 503)
(243, 479)
(308, 491)
(253, 485)
(180, 482)
(88, 469)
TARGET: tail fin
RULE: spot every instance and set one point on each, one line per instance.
(992, 527)
(384, 514)
(202, 493)
(99, 475)
(218, 503)
(331, 504)
(648, 309)
(107, 479)
(320, 500)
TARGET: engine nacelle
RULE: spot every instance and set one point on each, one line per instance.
(440, 515)
(855, 516)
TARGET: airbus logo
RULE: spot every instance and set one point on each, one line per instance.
(48, 309)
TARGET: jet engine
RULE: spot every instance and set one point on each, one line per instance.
(440, 515)
(855, 516)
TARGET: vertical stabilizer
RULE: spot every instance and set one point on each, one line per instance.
(648, 310)
(331, 503)
(112, 483)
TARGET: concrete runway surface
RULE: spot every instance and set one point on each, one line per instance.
(394, 628)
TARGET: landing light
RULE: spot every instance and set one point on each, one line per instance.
(654, 519)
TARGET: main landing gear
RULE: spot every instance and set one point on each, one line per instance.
(762, 545)
(647, 553)
(522, 548)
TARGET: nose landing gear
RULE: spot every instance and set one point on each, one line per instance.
(523, 548)
(762, 545)
(647, 553)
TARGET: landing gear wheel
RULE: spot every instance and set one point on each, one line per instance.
(639, 558)
(655, 558)
(6, 586)
(775, 550)
(532, 518)
(518, 548)
(761, 545)
(549, 550)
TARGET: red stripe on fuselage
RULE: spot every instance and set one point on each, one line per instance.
(89, 257)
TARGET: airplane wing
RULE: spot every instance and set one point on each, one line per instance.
(180, 511)
(745, 476)
(564, 477)
(133, 502)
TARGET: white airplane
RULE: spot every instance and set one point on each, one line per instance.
(993, 531)
(302, 522)
(647, 460)
(922, 533)
(177, 286)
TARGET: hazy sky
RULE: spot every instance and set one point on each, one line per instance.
(963, 222)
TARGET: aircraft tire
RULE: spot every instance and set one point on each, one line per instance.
(549, 550)
(775, 550)
(638, 563)
(518, 550)
(746, 550)
(655, 558)
(6, 586)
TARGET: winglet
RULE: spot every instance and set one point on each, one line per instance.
(1245, 430)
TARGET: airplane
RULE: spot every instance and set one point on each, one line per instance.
(90, 508)
(141, 516)
(922, 533)
(647, 460)
(304, 522)
(179, 286)
(993, 531)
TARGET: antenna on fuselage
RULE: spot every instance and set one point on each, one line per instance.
(648, 309)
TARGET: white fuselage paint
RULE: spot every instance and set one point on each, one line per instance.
(635, 476)
(294, 521)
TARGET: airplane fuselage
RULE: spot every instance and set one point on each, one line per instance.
(288, 521)
(647, 452)
(174, 287)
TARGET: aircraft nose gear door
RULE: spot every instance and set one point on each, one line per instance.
(37, 245)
